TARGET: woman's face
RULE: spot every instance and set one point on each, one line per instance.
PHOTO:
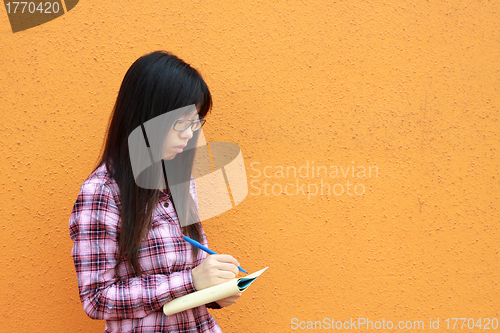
(177, 140)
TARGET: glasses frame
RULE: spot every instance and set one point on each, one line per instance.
(192, 122)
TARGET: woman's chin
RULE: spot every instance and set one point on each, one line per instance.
(170, 157)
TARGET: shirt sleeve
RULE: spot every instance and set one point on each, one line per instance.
(94, 231)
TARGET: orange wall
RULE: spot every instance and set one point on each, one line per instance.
(410, 88)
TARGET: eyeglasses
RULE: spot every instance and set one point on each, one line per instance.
(183, 124)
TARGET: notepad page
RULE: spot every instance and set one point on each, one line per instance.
(246, 281)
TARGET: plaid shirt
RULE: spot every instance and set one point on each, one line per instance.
(127, 302)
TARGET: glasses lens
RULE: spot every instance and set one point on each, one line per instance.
(182, 125)
(196, 126)
(200, 123)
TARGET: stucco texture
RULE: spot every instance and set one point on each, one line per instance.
(394, 103)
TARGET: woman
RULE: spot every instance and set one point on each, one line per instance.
(129, 253)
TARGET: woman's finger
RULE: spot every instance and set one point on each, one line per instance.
(226, 258)
(226, 275)
(228, 267)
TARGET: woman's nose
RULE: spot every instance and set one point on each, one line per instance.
(187, 133)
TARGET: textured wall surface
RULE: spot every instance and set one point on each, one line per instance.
(395, 103)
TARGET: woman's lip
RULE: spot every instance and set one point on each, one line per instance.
(179, 149)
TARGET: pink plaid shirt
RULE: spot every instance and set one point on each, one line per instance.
(127, 302)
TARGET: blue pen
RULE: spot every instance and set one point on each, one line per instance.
(206, 249)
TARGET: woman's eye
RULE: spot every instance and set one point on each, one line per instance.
(183, 123)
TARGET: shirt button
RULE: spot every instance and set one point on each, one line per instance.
(165, 204)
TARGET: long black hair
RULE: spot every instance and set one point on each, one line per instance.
(156, 83)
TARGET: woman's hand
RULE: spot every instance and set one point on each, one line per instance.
(229, 300)
(214, 270)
